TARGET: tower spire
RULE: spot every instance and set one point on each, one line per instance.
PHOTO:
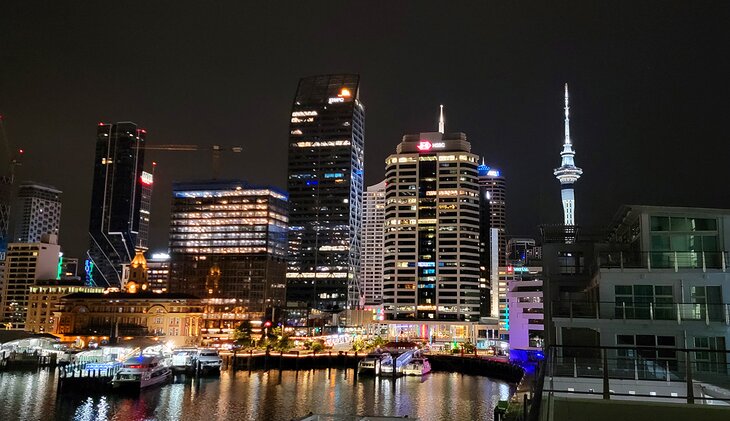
(442, 124)
(567, 117)
(567, 173)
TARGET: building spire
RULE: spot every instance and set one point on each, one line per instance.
(567, 173)
(567, 117)
(442, 124)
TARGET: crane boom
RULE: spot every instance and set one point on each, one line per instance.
(214, 149)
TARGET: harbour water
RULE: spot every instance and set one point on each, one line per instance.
(258, 395)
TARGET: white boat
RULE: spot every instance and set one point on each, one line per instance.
(183, 359)
(141, 372)
(373, 363)
(208, 360)
(417, 367)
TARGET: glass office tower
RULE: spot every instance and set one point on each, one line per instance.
(325, 184)
(228, 245)
(116, 200)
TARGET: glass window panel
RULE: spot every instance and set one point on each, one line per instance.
(680, 243)
(680, 224)
(660, 242)
(643, 290)
(623, 290)
(624, 339)
(704, 224)
(663, 290)
(665, 341)
(709, 243)
(645, 340)
(659, 223)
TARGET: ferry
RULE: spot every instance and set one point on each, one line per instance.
(418, 366)
(373, 363)
(141, 372)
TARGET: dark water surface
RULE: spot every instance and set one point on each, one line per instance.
(272, 395)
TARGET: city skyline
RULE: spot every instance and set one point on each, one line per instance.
(507, 97)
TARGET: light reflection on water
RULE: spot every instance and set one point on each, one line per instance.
(272, 395)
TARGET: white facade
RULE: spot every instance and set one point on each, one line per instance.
(525, 303)
(671, 288)
(431, 266)
(25, 264)
(371, 249)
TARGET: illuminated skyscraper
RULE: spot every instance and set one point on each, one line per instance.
(371, 251)
(568, 173)
(431, 264)
(326, 147)
(492, 236)
(228, 245)
(117, 225)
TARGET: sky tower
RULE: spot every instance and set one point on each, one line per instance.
(568, 173)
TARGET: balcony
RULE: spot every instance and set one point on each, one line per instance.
(625, 310)
(665, 260)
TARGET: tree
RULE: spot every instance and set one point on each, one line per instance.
(317, 346)
(242, 334)
(282, 340)
(468, 348)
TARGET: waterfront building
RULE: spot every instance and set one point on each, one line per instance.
(228, 245)
(325, 185)
(44, 297)
(431, 264)
(25, 264)
(651, 300)
(119, 219)
(83, 317)
(36, 211)
(158, 272)
(661, 280)
(371, 254)
(524, 322)
(567, 173)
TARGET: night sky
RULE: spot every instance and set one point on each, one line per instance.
(649, 84)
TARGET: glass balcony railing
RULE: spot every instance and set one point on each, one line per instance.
(629, 310)
(676, 260)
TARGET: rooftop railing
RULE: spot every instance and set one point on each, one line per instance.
(634, 310)
(662, 260)
(693, 375)
(646, 374)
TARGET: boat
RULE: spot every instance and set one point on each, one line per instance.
(373, 363)
(142, 371)
(208, 360)
(418, 366)
(183, 359)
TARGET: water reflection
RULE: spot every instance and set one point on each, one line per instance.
(257, 395)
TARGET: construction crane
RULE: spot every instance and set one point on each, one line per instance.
(215, 150)
(7, 178)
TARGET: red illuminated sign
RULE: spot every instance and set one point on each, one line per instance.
(424, 145)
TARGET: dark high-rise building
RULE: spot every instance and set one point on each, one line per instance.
(116, 201)
(228, 245)
(36, 211)
(326, 147)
